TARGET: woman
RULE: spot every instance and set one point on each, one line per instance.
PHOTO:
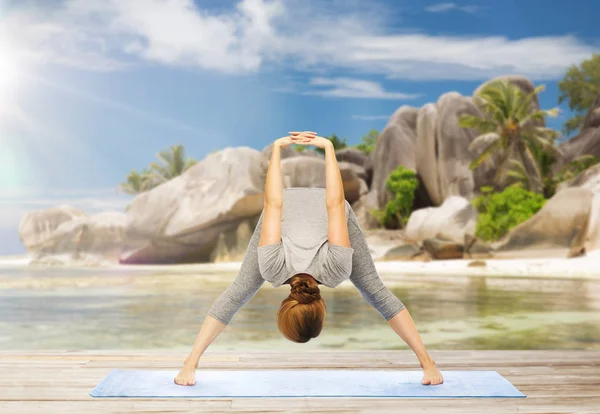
(306, 237)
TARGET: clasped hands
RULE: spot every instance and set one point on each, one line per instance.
(303, 138)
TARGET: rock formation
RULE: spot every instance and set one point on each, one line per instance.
(589, 179)
(429, 141)
(39, 226)
(181, 220)
(450, 221)
(588, 140)
(558, 229)
(95, 239)
(209, 212)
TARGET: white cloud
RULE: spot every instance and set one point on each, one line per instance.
(354, 88)
(446, 7)
(115, 34)
(370, 117)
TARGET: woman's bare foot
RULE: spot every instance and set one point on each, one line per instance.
(187, 376)
(431, 375)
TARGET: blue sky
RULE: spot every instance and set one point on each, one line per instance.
(92, 89)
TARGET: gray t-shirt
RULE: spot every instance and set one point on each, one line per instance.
(364, 275)
(304, 245)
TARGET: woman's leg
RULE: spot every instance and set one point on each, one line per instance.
(366, 279)
(364, 274)
(241, 290)
(245, 285)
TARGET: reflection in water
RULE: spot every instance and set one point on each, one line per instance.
(100, 309)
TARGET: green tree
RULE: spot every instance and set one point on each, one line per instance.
(368, 141)
(581, 87)
(337, 142)
(509, 129)
(136, 183)
(499, 212)
(403, 183)
(172, 162)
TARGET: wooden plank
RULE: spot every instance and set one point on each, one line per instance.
(60, 381)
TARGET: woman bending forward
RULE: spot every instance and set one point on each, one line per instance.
(307, 236)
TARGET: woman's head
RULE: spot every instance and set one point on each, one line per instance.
(302, 313)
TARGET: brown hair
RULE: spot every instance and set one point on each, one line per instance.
(302, 313)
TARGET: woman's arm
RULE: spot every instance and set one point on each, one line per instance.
(271, 229)
(273, 187)
(335, 200)
(334, 188)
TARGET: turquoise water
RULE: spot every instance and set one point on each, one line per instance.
(71, 309)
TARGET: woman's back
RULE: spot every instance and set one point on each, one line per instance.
(304, 246)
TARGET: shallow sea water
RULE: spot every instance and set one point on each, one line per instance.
(81, 309)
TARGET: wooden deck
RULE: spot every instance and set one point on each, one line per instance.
(59, 382)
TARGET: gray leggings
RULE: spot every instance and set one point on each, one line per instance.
(364, 276)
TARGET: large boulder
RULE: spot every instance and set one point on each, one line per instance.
(559, 228)
(362, 209)
(440, 249)
(451, 221)
(430, 141)
(588, 140)
(453, 154)
(99, 235)
(37, 227)
(233, 244)
(181, 220)
(351, 155)
(589, 179)
(395, 146)
(592, 237)
(311, 172)
(402, 252)
(426, 152)
(289, 152)
(285, 152)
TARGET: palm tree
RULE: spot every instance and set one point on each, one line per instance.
(510, 130)
(172, 164)
(137, 183)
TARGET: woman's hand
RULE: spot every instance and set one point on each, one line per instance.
(302, 139)
(297, 138)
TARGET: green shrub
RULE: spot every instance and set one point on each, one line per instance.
(402, 183)
(499, 212)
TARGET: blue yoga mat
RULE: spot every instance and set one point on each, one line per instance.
(303, 383)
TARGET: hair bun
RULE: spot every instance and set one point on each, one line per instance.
(303, 292)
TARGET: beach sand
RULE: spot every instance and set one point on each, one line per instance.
(581, 267)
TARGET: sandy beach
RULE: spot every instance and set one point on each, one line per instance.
(586, 267)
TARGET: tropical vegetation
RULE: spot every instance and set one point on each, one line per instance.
(402, 183)
(501, 211)
(171, 163)
(581, 87)
(511, 134)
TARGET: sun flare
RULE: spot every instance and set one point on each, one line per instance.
(8, 71)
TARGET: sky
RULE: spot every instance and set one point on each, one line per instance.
(90, 90)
